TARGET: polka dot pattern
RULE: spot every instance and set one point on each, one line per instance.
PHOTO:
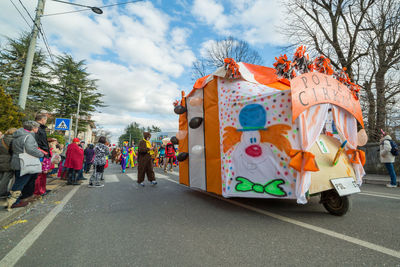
(233, 96)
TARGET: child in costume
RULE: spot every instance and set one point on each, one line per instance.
(132, 156)
(124, 156)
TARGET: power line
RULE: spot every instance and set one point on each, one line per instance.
(29, 14)
(87, 9)
(41, 31)
(20, 13)
(46, 43)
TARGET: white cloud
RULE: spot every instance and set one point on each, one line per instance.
(212, 13)
(255, 21)
(117, 122)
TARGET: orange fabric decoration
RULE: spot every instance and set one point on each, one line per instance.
(356, 156)
(231, 137)
(232, 68)
(297, 157)
(275, 135)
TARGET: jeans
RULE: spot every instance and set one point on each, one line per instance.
(72, 175)
(86, 166)
(21, 181)
(80, 174)
(392, 173)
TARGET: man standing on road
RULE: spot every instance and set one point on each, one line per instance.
(388, 158)
(145, 164)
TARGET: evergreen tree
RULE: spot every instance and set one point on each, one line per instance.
(72, 78)
(135, 132)
(9, 114)
(12, 64)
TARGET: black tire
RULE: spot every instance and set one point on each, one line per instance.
(335, 204)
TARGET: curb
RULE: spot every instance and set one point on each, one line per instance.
(377, 181)
(8, 217)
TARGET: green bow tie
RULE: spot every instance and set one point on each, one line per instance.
(271, 188)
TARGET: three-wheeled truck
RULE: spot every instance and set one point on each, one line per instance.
(245, 132)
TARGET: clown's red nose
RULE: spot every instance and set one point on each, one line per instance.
(254, 151)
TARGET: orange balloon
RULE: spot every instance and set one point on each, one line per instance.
(196, 101)
(181, 134)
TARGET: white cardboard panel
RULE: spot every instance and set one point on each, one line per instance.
(197, 173)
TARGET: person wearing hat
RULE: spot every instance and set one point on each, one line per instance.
(36, 186)
(74, 161)
(145, 164)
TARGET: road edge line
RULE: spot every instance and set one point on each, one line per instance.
(318, 229)
(20, 249)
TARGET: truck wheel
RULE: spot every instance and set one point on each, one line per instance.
(335, 204)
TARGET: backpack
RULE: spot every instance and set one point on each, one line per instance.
(395, 148)
(170, 151)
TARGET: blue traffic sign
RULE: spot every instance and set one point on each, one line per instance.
(62, 124)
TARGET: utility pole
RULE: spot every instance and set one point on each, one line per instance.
(77, 114)
(69, 131)
(23, 93)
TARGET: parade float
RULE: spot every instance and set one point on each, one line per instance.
(288, 132)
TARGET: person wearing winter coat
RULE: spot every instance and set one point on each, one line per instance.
(6, 173)
(101, 153)
(388, 158)
(37, 184)
(73, 161)
(23, 140)
(89, 157)
(145, 164)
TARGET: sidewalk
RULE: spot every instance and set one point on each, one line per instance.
(377, 179)
(7, 217)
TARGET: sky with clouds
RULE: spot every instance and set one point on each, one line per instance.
(141, 53)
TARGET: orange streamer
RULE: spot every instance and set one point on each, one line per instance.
(356, 156)
(297, 157)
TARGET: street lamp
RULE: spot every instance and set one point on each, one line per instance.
(23, 93)
(93, 8)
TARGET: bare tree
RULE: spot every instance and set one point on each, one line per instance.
(331, 28)
(361, 35)
(230, 47)
(383, 35)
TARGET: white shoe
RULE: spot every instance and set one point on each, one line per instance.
(153, 182)
(391, 186)
(142, 184)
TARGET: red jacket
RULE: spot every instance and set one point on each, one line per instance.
(74, 157)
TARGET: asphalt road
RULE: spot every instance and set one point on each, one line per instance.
(171, 225)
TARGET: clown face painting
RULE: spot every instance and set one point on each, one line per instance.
(255, 151)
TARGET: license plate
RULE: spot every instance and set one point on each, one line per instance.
(345, 186)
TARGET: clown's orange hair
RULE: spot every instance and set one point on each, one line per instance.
(230, 138)
(275, 135)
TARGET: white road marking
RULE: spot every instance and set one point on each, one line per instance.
(375, 194)
(176, 173)
(318, 229)
(19, 250)
(111, 178)
(133, 176)
(162, 176)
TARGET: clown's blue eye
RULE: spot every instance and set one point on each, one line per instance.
(255, 140)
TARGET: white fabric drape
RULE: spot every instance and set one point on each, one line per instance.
(311, 123)
(346, 125)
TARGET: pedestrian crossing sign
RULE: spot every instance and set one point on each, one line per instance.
(62, 124)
